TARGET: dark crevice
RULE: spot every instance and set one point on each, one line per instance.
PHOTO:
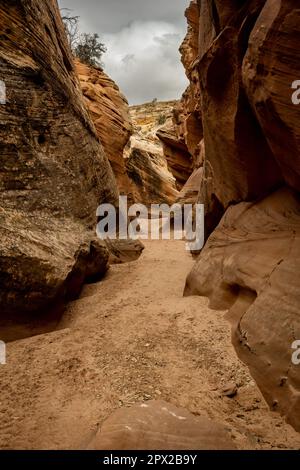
(215, 18)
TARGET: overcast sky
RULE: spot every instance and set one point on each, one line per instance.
(142, 38)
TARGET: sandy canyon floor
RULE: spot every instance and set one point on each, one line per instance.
(128, 339)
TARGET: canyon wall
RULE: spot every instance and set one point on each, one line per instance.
(109, 111)
(128, 136)
(54, 172)
(241, 59)
(176, 153)
(183, 139)
(147, 166)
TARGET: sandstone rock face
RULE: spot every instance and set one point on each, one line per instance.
(148, 171)
(147, 118)
(176, 153)
(157, 425)
(190, 191)
(54, 172)
(182, 139)
(250, 265)
(147, 167)
(230, 129)
(187, 115)
(241, 76)
(123, 251)
(109, 111)
(270, 67)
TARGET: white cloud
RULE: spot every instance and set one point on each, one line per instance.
(144, 61)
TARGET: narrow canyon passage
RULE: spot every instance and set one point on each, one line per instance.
(193, 111)
(129, 339)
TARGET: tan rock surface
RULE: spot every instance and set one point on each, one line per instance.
(270, 67)
(182, 139)
(188, 114)
(54, 172)
(109, 111)
(176, 153)
(158, 425)
(190, 191)
(250, 265)
(123, 251)
(146, 163)
(241, 76)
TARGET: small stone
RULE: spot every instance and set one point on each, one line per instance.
(229, 390)
(283, 381)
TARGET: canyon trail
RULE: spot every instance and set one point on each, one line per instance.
(131, 338)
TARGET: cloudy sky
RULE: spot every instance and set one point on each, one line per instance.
(142, 38)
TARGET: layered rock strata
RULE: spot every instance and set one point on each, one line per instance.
(109, 111)
(159, 425)
(54, 172)
(241, 71)
(146, 163)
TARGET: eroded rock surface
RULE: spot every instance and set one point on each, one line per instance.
(176, 153)
(146, 163)
(109, 111)
(158, 425)
(54, 172)
(270, 67)
(190, 191)
(250, 266)
(182, 139)
(123, 251)
(241, 74)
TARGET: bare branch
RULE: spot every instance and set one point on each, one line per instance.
(71, 24)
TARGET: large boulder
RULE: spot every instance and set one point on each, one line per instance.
(158, 425)
(54, 172)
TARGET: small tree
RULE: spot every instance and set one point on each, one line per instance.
(90, 50)
(71, 24)
(161, 120)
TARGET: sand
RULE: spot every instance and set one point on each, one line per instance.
(131, 338)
